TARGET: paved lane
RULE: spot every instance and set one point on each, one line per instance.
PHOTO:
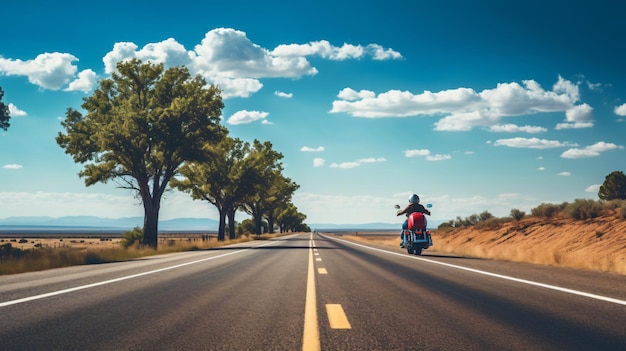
(312, 292)
(396, 301)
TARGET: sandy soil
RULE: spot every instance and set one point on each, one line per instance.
(598, 244)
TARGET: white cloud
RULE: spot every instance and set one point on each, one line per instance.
(245, 117)
(438, 157)
(237, 87)
(531, 143)
(464, 109)
(379, 53)
(225, 57)
(345, 165)
(15, 112)
(12, 166)
(324, 49)
(49, 70)
(351, 94)
(354, 164)
(372, 160)
(620, 110)
(85, 82)
(541, 169)
(229, 59)
(310, 149)
(567, 87)
(577, 125)
(318, 162)
(283, 94)
(169, 52)
(579, 116)
(591, 151)
(513, 128)
(418, 152)
(426, 153)
(565, 174)
(593, 188)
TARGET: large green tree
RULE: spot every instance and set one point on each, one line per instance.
(224, 180)
(5, 115)
(614, 187)
(140, 126)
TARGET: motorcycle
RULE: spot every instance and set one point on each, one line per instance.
(417, 237)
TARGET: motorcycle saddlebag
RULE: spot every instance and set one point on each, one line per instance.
(417, 220)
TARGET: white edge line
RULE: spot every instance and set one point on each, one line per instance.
(524, 281)
(65, 291)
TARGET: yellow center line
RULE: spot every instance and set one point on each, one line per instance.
(311, 335)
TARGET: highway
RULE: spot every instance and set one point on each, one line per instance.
(312, 291)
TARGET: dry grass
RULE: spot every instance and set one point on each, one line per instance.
(597, 244)
(47, 253)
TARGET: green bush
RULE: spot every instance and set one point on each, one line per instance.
(517, 214)
(132, 237)
(583, 209)
(547, 210)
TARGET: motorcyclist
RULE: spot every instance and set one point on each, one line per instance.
(413, 206)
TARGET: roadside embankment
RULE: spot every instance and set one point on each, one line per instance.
(593, 244)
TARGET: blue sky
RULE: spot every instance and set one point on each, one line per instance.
(476, 107)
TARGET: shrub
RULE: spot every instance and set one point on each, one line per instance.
(132, 237)
(613, 204)
(485, 215)
(517, 214)
(583, 209)
(446, 225)
(547, 210)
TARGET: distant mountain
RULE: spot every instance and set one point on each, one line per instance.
(86, 222)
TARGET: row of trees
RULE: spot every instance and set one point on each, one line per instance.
(149, 129)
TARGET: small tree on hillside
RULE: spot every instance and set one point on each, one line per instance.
(517, 214)
(614, 187)
(5, 115)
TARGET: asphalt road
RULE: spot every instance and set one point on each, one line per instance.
(312, 292)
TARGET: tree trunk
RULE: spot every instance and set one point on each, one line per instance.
(221, 230)
(258, 223)
(270, 222)
(151, 206)
(150, 224)
(231, 223)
